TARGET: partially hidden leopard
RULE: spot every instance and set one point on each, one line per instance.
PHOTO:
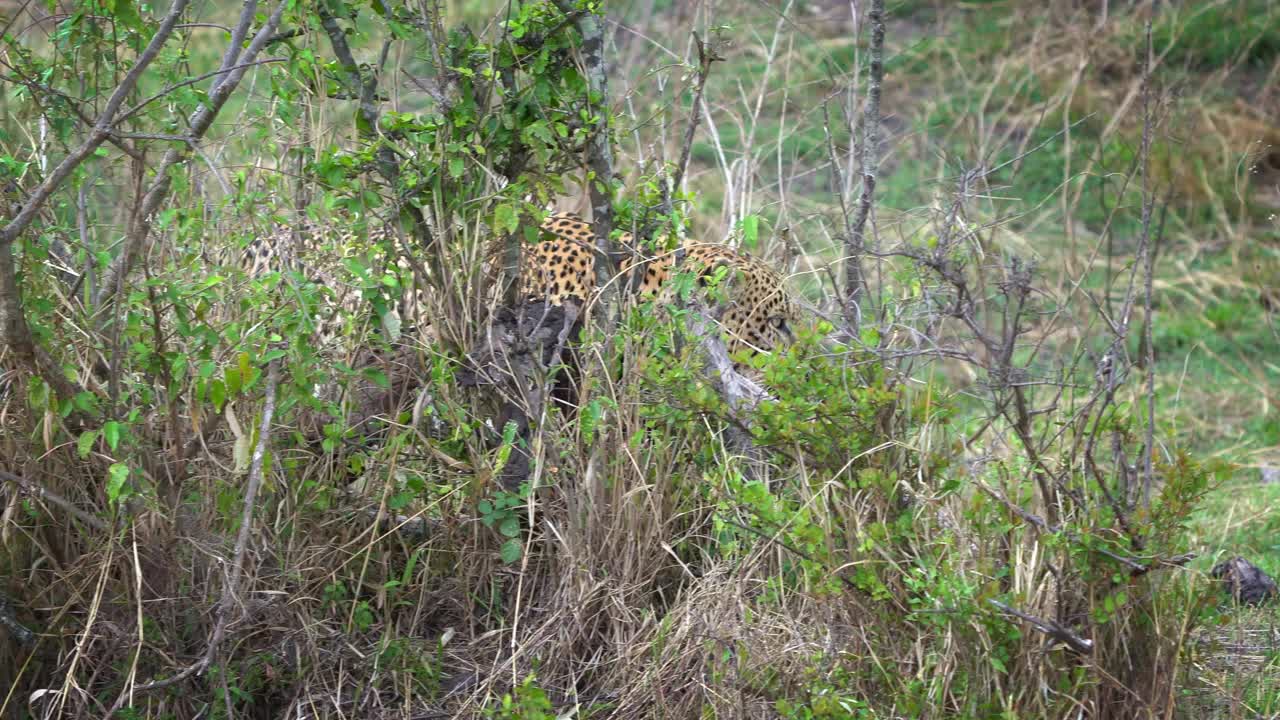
(320, 253)
(760, 314)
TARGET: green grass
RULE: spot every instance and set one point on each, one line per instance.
(1241, 519)
(1241, 652)
(1208, 36)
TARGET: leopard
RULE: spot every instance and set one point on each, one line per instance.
(757, 317)
(760, 315)
(317, 252)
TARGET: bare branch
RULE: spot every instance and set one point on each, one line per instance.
(42, 493)
(246, 515)
(1053, 629)
(238, 35)
(856, 243)
(232, 586)
(600, 150)
(17, 630)
(1148, 258)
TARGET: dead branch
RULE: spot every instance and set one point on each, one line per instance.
(856, 243)
(9, 621)
(42, 493)
(1053, 629)
(231, 588)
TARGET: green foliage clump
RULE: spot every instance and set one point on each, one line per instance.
(1220, 34)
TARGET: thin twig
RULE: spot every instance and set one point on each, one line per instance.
(190, 81)
(49, 496)
(706, 57)
(1148, 254)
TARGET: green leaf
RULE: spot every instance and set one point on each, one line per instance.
(233, 380)
(86, 401)
(125, 13)
(111, 431)
(750, 230)
(217, 394)
(456, 167)
(511, 551)
(407, 575)
(85, 444)
(506, 218)
(400, 500)
(245, 370)
(117, 474)
(207, 368)
(510, 526)
(378, 377)
(504, 450)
